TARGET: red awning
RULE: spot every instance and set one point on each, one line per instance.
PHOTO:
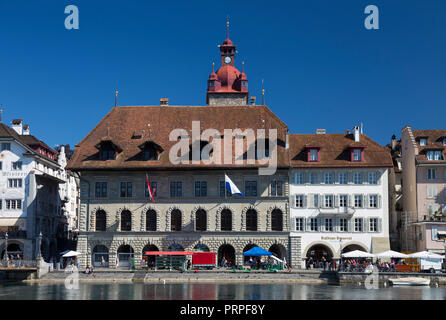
(169, 253)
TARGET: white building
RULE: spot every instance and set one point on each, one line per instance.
(338, 194)
(29, 201)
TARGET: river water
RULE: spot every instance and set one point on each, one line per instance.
(215, 291)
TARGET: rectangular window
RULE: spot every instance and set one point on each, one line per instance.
(313, 224)
(126, 189)
(328, 201)
(13, 204)
(430, 155)
(153, 186)
(201, 189)
(438, 155)
(358, 224)
(1, 165)
(6, 146)
(299, 224)
(431, 174)
(17, 166)
(357, 178)
(312, 178)
(15, 183)
(444, 141)
(299, 178)
(276, 188)
(314, 155)
(357, 155)
(432, 192)
(343, 178)
(328, 178)
(372, 177)
(343, 225)
(329, 224)
(423, 141)
(299, 201)
(373, 201)
(343, 200)
(316, 200)
(223, 190)
(251, 188)
(373, 225)
(176, 189)
(358, 201)
(101, 189)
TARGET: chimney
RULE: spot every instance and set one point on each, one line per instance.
(393, 142)
(320, 131)
(164, 102)
(347, 132)
(17, 126)
(356, 133)
(253, 101)
(26, 130)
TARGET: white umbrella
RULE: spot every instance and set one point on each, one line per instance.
(357, 254)
(391, 254)
(71, 254)
(425, 255)
(64, 252)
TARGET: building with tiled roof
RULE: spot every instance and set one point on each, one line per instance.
(424, 189)
(338, 195)
(30, 205)
(183, 153)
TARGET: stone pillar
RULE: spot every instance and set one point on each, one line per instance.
(295, 253)
(82, 247)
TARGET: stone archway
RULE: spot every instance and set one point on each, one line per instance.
(100, 256)
(246, 248)
(228, 252)
(351, 246)
(125, 254)
(319, 252)
(278, 251)
(150, 260)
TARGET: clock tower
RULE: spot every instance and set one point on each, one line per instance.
(227, 86)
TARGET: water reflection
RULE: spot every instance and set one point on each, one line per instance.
(215, 291)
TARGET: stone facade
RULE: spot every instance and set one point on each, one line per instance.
(213, 204)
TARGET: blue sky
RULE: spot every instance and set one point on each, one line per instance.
(321, 67)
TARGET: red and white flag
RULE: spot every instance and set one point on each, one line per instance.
(150, 189)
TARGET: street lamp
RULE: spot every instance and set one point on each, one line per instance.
(340, 253)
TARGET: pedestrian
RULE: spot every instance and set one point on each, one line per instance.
(102, 262)
(188, 264)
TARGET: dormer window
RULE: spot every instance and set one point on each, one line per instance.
(150, 151)
(444, 141)
(357, 155)
(313, 153)
(423, 141)
(107, 149)
(211, 83)
(434, 155)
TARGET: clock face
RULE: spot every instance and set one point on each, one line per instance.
(228, 60)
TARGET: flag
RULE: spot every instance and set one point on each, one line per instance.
(150, 189)
(231, 187)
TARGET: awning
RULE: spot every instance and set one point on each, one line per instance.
(169, 253)
(391, 254)
(441, 233)
(425, 255)
(257, 252)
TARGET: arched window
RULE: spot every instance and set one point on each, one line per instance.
(100, 256)
(126, 220)
(201, 220)
(277, 220)
(151, 220)
(175, 220)
(101, 220)
(251, 220)
(226, 220)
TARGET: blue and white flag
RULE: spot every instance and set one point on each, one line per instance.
(231, 187)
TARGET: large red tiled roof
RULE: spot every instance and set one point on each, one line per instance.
(434, 142)
(335, 151)
(155, 123)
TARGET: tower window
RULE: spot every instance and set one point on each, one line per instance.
(211, 83)
(244, 83)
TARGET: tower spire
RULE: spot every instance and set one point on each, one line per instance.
(227, 27)
(243, 66)
(263, 94)
(116, 98)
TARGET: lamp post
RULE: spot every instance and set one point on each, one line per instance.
(6, 250)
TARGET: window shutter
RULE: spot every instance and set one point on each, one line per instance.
(310, 200)
(379, 204)
(293, 201)
(349, 225)
(364, 201)
(366, 224)
(293, 224)
(305, 201)
(308, 224)
(378, 177)
(434, 233)
(320, 201)
(304, 177)
(349, 200)
(336, 201)
(321, 224)
(304, 226)
(379, 225)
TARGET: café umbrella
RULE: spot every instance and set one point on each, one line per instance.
(357, 254)
(71, 254)
(391, 254)
(425, 255)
